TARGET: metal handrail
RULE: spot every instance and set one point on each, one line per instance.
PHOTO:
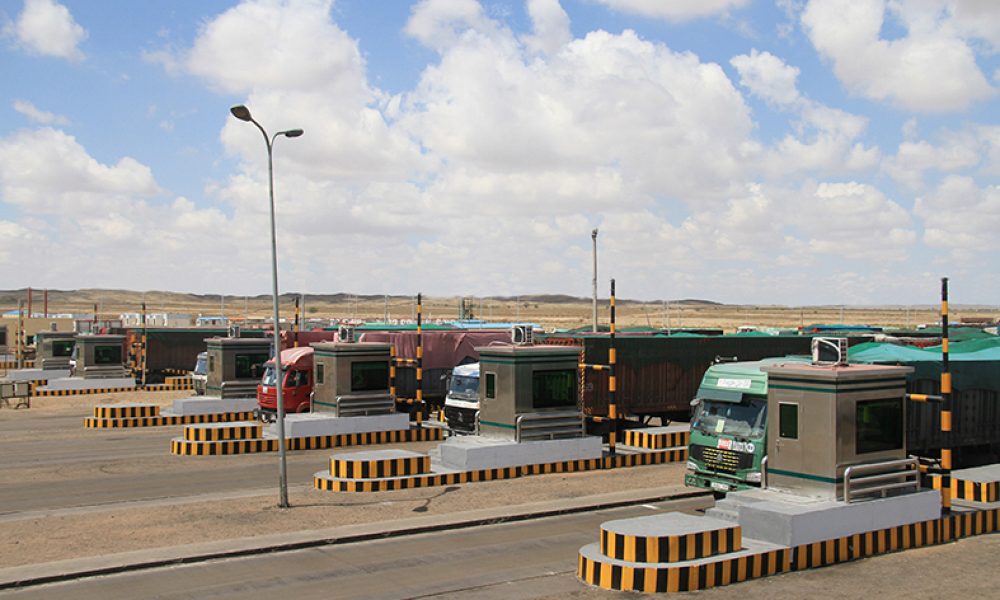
(519, 424)
(763, 472)
(875, 474)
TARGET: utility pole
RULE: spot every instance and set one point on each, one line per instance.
(593, 236)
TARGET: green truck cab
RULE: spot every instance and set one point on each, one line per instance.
(729, 427)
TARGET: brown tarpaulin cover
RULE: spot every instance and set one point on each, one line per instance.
(442, 349)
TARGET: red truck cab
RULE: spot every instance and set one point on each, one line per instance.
(297, 367)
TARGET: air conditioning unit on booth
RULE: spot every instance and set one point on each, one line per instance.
(829, 351)
(345, 333)
(522, 335)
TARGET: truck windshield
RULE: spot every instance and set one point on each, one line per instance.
(464, 386)
(201, 367)
(746, 419)
(268, 378)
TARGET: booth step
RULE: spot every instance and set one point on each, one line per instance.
(672, 537)
(379, 464)
(757, 559)
(125, 411)
(212, 432)
(656, 438)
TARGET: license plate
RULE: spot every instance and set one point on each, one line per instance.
(720, 487)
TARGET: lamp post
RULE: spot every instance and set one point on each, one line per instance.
(593, 236)
(243, 113)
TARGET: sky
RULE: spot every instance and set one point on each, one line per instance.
(743, 151)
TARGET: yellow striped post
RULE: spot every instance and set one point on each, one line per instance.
(945, 402)
(420, 362)
(612, 384)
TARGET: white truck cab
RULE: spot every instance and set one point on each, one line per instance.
(461, 404)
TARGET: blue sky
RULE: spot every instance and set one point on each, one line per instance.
(745, 151)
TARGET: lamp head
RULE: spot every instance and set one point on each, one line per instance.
(292, 133)
(241, 112)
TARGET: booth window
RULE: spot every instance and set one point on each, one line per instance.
(62, 348)
(491, 386)
(211, 363)
(879, 426)
(788, 421)
(319, 375)
(107, 355)
(554, 389)
(369, 376)
(250, 366)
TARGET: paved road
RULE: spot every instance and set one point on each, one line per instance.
(518, 560)
(51, 463)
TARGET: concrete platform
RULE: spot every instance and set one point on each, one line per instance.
(377, 464)
(305, 425)
(473, 453)
(36, 374)
(204, 405)
(71, 384)
(790, 520)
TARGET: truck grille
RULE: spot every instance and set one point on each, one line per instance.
(463, 419)
(722, 461)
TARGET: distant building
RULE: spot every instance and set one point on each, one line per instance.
(212, 321)
(158, 320)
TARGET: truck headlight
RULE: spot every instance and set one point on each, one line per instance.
(691, 466)
(753, 477)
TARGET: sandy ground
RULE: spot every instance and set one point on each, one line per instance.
(120, 527)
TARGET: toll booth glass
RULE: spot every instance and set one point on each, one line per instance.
(62, 348)
(491, 386)
(107, 355)
(320, 374)
(788, 421)
(369, 376)
(553, 389)
(250, 366)
(879, 426)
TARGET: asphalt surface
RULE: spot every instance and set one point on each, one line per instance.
(525, 559)
(98, 467)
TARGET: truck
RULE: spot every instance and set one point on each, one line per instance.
(729, 427)
(199, 376)
(297, 368)
(729, 424)
(462, 401)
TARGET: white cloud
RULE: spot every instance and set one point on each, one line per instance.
(47, 171)
(46, 27)
(962, 217)
(36, 115)
(550, 26)
(674, 10)
(932, 68)
(767, 77)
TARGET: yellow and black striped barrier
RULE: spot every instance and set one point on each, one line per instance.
(125, 411)
(972, 491)
(335, 483)
(596, 568)
(669, 548)
(612, 575)
(379, 468)
(84, 392)
(183, 447)
(163, 420)
(234, 431)
(169, 386)
(640, 438)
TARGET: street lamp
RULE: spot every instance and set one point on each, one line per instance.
(243, 113)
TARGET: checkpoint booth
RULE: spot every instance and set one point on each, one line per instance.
(529, 392)
(837, 432)
(100, 357)
(53, 349)
(236, 366)
(352, 379)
